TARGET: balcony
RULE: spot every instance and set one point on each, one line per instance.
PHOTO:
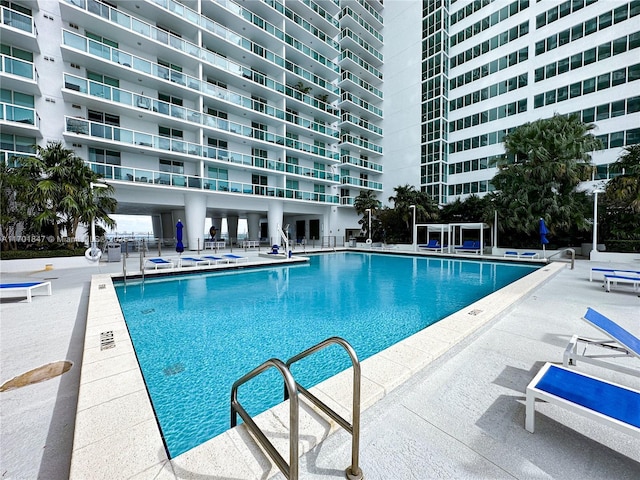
(18, 29)
(155, 178)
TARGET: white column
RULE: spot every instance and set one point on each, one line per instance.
(275, 217)
(253, 226)
(195, 208)
(232, 228)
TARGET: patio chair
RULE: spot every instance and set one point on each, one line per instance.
(235, 258)
(471, 246)
(615, 279)
(432, 245)
(25, 289)
(159, 262)
(620, 343)
(193, 261)
(605, 402)
(215, 259)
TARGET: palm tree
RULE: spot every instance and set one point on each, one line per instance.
(407, 195)
(61, 195)
(545, 160)
(622, 200)
(366, 200)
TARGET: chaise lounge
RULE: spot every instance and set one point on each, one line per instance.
(432, 246)
(620, 343)
(193, 261)
(471, 246)
(25, 289)
(615, 279)
(159, 262)
(235, 258)
(605, 402)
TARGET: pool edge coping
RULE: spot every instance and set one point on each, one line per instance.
(116, 432)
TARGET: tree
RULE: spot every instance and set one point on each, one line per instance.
(13, 205)
(366, 200)
(399, 229)
(545, 160)
(61, 196)
(473, 209)
(621, 199)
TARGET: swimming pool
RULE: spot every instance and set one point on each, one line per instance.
(195, 335)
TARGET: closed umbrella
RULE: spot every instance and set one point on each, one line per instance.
(179, 245)
(543, 236)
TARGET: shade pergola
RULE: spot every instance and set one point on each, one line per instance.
(456, 230)
(441, 230)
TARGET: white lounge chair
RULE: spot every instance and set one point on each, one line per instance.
(215, 259)
(193, 261)
(235, 258)
(25, 288)
(620, 343)
(159, 262)
(611, 271)
(615, 279)
(605, 402)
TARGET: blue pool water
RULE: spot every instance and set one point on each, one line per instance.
(195, 335)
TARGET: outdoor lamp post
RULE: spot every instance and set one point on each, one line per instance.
(368, 210)
(94, 249)
(413, 227)
(594, 248)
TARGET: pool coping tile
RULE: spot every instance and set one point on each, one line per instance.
(113, 445)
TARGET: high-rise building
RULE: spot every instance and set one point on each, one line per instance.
(282, 112)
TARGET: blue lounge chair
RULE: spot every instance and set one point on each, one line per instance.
(633, 280)
(472, 246)
(512, 253)
(215, 259)
(611, 271)
(620, 343)
(235, 258)
(159, 262)
(433, 245)
(25, 288)
(194, 261)
(597, 399)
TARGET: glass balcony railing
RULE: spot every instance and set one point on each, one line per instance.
(347, 117)
(361, 143)
(349, 97)
(21, 68)
(141, 65)
(316, 32)
(100, 130)
(348, 54)
(147, 103)
(359, 182)
(17, 20)
(361, 163)
(13, 159)
(18, 114)
(145, 176)
(347, 75)
(150, 31)
(211, 26)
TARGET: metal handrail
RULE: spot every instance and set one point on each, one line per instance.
(573, 255)
(353, 472)
(290, 470)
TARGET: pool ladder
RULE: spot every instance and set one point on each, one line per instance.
(292, 390)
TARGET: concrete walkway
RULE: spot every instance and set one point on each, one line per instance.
(461, 417)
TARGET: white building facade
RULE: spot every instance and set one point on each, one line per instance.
(282, 112)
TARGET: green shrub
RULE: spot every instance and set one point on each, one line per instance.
(25, 254)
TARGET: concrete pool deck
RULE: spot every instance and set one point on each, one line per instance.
(459, 412)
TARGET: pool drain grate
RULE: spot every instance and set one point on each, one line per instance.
(475, 312)
(173, 369)
(148, 311)
(106, 340)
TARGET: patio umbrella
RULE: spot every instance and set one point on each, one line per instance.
(179, 245)
(543, 235)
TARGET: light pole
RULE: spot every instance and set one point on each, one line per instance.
(413, 227)
(95, 252)
(368, 210)
(594, 248)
